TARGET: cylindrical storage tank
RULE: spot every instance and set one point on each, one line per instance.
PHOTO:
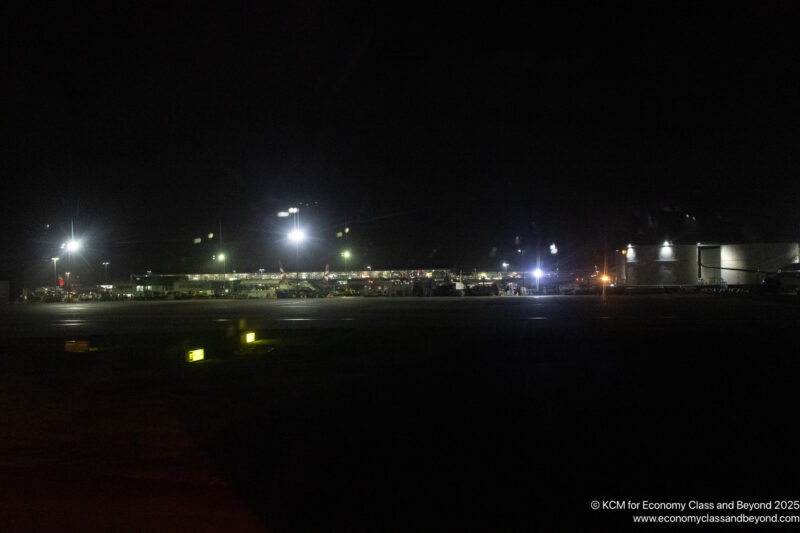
(661, 265)
(765, 257)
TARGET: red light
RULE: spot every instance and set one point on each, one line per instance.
(576, 279)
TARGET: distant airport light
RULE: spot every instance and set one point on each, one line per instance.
(195, 355)
(297, 235)
(537, 273)
(221, 257)
(249, 337)
(198, 240)
(605, 278)
(73, 246)
(667, 243)
(210, 235)
(283, 214)
(293, 210)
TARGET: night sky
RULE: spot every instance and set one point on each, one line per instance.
(436, 134)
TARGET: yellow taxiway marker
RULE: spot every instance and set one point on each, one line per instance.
(195, 355)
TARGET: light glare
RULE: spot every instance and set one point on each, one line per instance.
(297, 235)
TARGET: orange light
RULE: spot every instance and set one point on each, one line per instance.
(76, 346)
(624, 252)
(605, 278)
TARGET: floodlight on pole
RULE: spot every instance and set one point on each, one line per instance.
(283, 214)
(55, 271)
(221, 257)
(296, 236)
(73, 246)
(537, 273)
(346, 255)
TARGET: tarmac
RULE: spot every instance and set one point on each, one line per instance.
(392, 414)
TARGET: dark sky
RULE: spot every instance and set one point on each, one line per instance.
(437, 134)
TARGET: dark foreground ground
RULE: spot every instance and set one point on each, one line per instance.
(479, 414)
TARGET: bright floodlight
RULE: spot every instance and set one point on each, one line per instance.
(283, 214)
(505, 265)
(297, 235)
(346, 254)
(537, 273)
(73, 246)
(221, 257)
(293, 210)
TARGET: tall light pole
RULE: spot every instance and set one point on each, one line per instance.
(346, 255)
(55, 271)
(105, 264)
(221, 257)
(538, 269)
(72, 246)
(296, 236)
(537, 274)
